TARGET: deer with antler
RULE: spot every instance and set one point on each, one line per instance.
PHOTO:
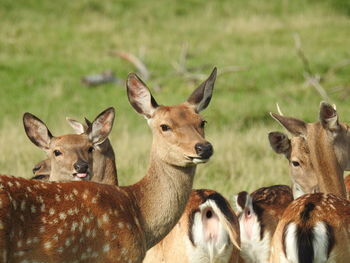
(104, 166)
(314, 227)
(85, 221)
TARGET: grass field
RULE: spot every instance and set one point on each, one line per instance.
(47, 46)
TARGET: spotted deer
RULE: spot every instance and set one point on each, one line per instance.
(104, 165)
(89, 222)
(207, 231)
(69, 156)
(258, 215)
(315, 227)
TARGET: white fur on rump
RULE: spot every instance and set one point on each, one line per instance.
(253, 250)
(210, 235)
(319, 243)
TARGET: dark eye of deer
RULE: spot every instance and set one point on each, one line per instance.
(90, 150)
(295, 163)
(57, 152)
(203, 123)
(165, 127)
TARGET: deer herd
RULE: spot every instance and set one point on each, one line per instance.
(73, 209)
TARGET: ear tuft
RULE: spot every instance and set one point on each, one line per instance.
(140, 96)
(37, 131)
(279, 142)
(329, 117)
(294, 126)
(200, 98)
(102, 126)
(78, 127)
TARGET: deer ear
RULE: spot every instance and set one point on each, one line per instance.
(78, 127)
(102, 126)
(280, 143)
(200, 98)
(294, 126)
(140, 96)
(329, 117)
(37, 131)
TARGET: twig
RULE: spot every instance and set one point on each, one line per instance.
(311, 79)
(139, 65)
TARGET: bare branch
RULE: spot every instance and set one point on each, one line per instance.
(311, 78)
(138, 64)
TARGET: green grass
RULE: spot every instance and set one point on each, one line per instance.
(47, 46)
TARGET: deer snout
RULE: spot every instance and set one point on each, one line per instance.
(81, 166)
(204, 150)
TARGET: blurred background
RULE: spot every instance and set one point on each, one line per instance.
(55, 54)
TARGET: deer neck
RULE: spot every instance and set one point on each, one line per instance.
(328, 171)
(161, 197)
(105, 170)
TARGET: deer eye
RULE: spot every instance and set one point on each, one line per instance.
(295, 163)
(57, 152)
(203, 123)
(165, 127)
(91, 149)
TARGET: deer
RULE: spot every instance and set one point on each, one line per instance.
(314, 227)
(207, 231)
(312, 144)
(69, 156)
(258, 216)
(104, 165)
(91, 222)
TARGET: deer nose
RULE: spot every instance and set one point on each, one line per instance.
(204, 150)
(81, 166)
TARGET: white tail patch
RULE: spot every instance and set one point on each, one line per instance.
(291, 243)
(254, 249)
(320, 242)
(213, 234)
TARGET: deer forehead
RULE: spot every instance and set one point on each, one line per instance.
(71, 141)
(300, 146)
(177, 116)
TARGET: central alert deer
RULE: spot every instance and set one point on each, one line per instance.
(89, 222)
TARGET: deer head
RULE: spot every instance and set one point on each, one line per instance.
(70, 155)
(318, 153)
(178, 131)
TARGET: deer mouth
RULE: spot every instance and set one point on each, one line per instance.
(197, 159)
(81, 176)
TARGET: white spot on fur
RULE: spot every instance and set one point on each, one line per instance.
(33, 209)
(106, 248)
(105, 218)
(47, 245)
(52, 211)
(62, 215)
